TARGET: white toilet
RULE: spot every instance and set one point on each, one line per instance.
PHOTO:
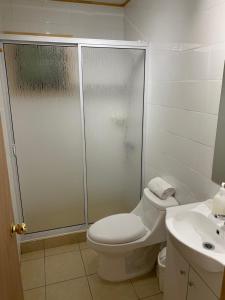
(128, 244)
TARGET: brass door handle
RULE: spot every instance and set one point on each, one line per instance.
(19, 228)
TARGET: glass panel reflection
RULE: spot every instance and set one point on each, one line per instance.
(45, 104)
(113, 82)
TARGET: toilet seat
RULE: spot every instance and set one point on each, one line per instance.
(117, 229)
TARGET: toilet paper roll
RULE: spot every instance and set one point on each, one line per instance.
(161, 188)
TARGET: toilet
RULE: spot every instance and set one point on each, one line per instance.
(128, 244)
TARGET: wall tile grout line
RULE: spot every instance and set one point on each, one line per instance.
(159, 81)
(164, 130)
(187, 138)
(183, 109)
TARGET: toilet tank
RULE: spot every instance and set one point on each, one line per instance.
(151, 208)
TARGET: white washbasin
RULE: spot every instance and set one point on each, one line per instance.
(193, 228)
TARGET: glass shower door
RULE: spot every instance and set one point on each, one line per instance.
(44, 92)
(113, 89)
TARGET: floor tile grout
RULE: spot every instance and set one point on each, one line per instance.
(83, 263)
(134, 288)
(36, 287)
(44, 258)
(74, 278)
(86, 274)
(90, 288)
(151, 296)
(45, 275)
(53, 283)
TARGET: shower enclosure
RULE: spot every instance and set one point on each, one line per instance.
(76, 115)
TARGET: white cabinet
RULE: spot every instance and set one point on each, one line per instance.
(197, 289)
(176, 279)
(183, 282)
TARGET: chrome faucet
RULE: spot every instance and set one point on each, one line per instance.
(220, 217)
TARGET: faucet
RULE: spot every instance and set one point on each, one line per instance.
(220, 217)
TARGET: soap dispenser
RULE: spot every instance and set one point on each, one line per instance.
(219, 202)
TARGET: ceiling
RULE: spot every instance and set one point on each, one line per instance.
(115, 3)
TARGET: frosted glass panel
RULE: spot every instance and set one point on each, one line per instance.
(113, 82)
(44, 96)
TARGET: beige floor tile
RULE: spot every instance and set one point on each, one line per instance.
(102, 290)
(146, 286)
(83, 245)
(156, 297)
(32, 255)
(33, 274)
(90, 258)
(35, 294)
(76, 289)
(63, 267)
(61, 249)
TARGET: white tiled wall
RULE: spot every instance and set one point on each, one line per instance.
(187, 58)
(46, 16)
(185, 21)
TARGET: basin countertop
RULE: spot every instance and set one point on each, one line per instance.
(198, 234)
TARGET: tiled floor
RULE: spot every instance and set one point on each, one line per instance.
(69, 273)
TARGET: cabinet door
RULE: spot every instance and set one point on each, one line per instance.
(197, 289)
(176, 279)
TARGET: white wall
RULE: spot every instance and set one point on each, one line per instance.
(188, 52)
(185, 21)
(45, 16)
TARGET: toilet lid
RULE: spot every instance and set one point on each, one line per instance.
(117, 229)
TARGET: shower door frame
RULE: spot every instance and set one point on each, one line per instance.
(8, 122)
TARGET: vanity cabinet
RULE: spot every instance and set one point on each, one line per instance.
(176, 279)
(182, 282)
(197, 289)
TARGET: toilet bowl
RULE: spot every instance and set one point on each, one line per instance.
(128, 244)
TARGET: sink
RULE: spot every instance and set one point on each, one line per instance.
(198, 235)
